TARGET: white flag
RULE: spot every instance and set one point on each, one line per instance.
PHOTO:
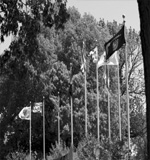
(101, 61)
(113, 60)
(94, 54)
(25, 113)
(37, 108)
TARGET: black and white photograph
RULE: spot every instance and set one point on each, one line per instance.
(74, 79)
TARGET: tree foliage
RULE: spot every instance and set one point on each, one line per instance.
(37, 64)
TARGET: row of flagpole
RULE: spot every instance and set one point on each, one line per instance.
(119, 105)
(98, 109)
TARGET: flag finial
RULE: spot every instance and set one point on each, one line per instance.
(123, 16)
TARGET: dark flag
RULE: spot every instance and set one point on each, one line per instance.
(115, 43)
(70, 90)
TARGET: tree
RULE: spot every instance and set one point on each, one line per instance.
(26, 69)
(144, 13)
(19, 12)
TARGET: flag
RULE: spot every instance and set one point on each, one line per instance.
(83, 63)
(102, 60)
(25, 113)
(113, 60)
(115, 43)
(70, 89)
(106, 82)
(37, 107)
(83, 60)
(94, 54)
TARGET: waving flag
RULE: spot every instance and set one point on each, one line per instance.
(83, 65)
(25, 113)
(102, 60)
(113, 60)
(94, 54)
(83, 59)
(37, 108)
(115, 43)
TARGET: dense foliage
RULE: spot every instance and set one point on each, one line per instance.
(37, 64)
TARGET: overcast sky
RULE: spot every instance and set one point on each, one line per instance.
(110, 10)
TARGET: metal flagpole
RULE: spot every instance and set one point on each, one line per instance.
(109, 129)
(85, 103)
(98, 116)
(97, 102)
(59, 118)
(128, 113)
(43, 127)
(119, 107)
(85, 92)
(30, 130)
(71, 110)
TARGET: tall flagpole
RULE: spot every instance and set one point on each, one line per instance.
(85, 92)
(43, 128)
(59, 118)
(128, 113)
(119, 107)
(30, 130)
(109, 129)
(71, 101)
(97, 103)
(85, 102)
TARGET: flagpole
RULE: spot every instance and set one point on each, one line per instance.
(97, 102)
(59, 118)
(71, 110)
(128, 113)
(119, 107)
(43, 128)
(30, 131)
(109, 129)
(85, 104)
(85, 92)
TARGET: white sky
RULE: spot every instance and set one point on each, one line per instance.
(108, 9)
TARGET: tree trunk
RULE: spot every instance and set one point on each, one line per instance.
(144, 12)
